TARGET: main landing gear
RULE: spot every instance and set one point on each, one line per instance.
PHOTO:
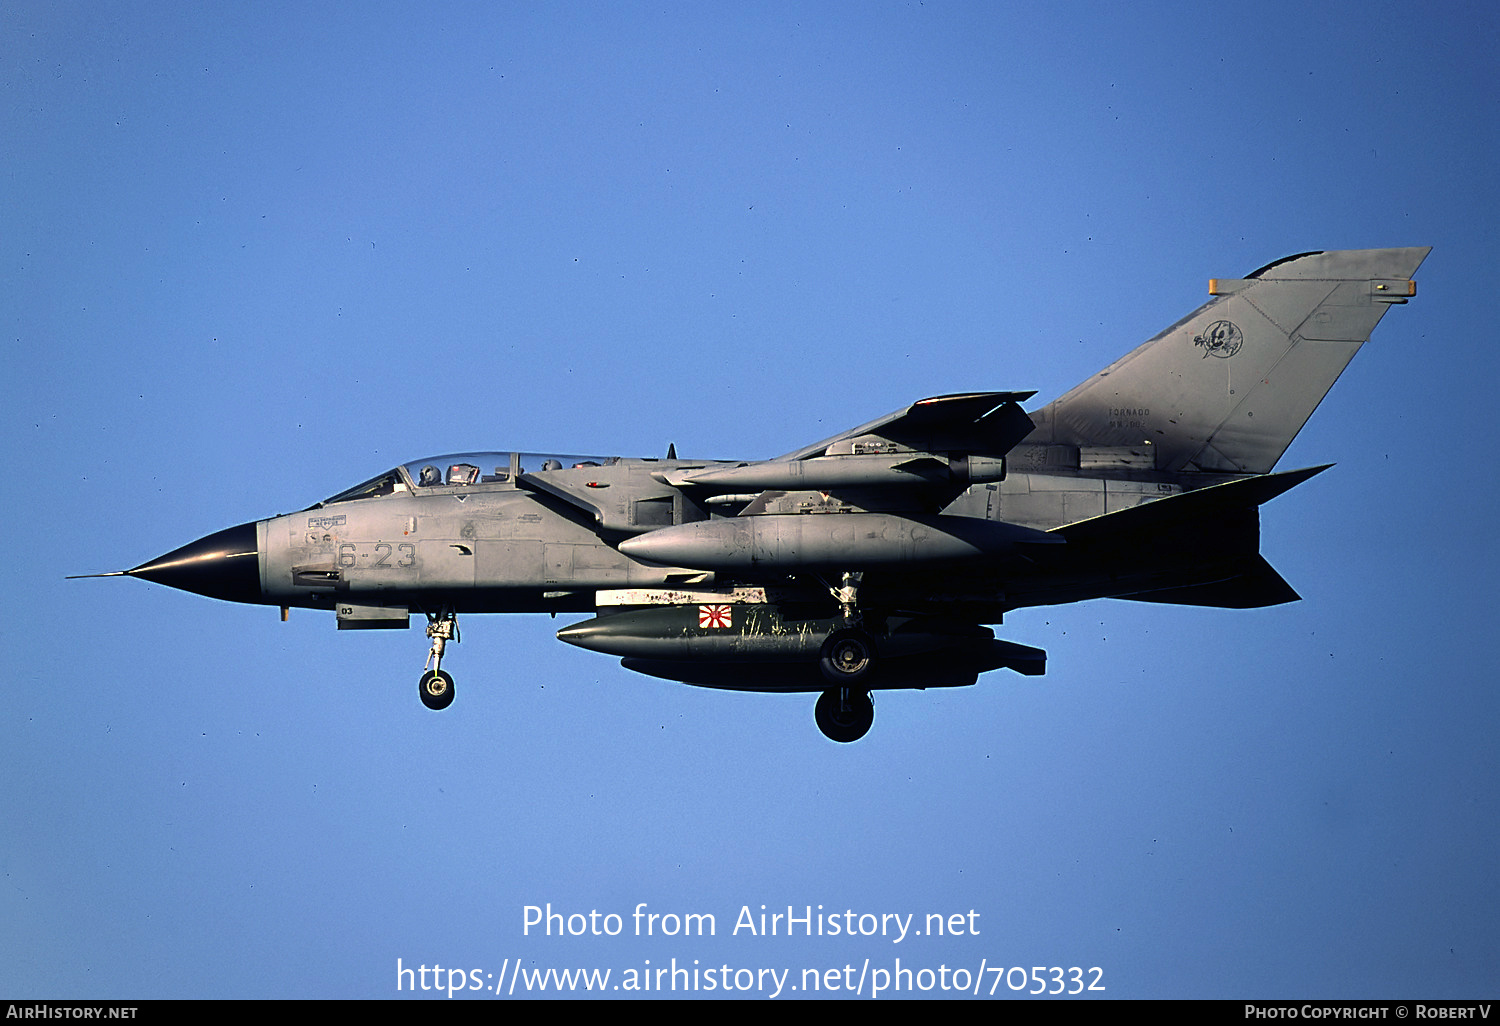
(849, 652)
(845, 712)
(847, 656)
(436, 686)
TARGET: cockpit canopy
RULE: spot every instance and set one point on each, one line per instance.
(462, 470)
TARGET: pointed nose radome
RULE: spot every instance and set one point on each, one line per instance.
(223, 565)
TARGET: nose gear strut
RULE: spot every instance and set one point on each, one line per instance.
(436, 686)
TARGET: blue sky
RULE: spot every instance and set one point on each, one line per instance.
(252, 256)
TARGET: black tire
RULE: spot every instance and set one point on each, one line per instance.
(436, 689)
(846, 657)
(844, 725)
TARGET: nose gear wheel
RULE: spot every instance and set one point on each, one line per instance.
(436, 689)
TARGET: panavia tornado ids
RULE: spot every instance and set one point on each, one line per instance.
(878, 558)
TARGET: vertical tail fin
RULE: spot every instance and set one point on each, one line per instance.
(1228, 387)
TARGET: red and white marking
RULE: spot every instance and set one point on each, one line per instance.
(715, 617)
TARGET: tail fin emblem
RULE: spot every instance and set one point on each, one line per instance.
(1221, 338)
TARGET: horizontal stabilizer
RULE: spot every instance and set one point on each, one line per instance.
(1203, 503)
(1259, 585)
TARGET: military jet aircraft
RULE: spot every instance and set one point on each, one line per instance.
(873, 559)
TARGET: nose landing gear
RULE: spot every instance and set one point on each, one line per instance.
(436, 689)
(436, 685)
